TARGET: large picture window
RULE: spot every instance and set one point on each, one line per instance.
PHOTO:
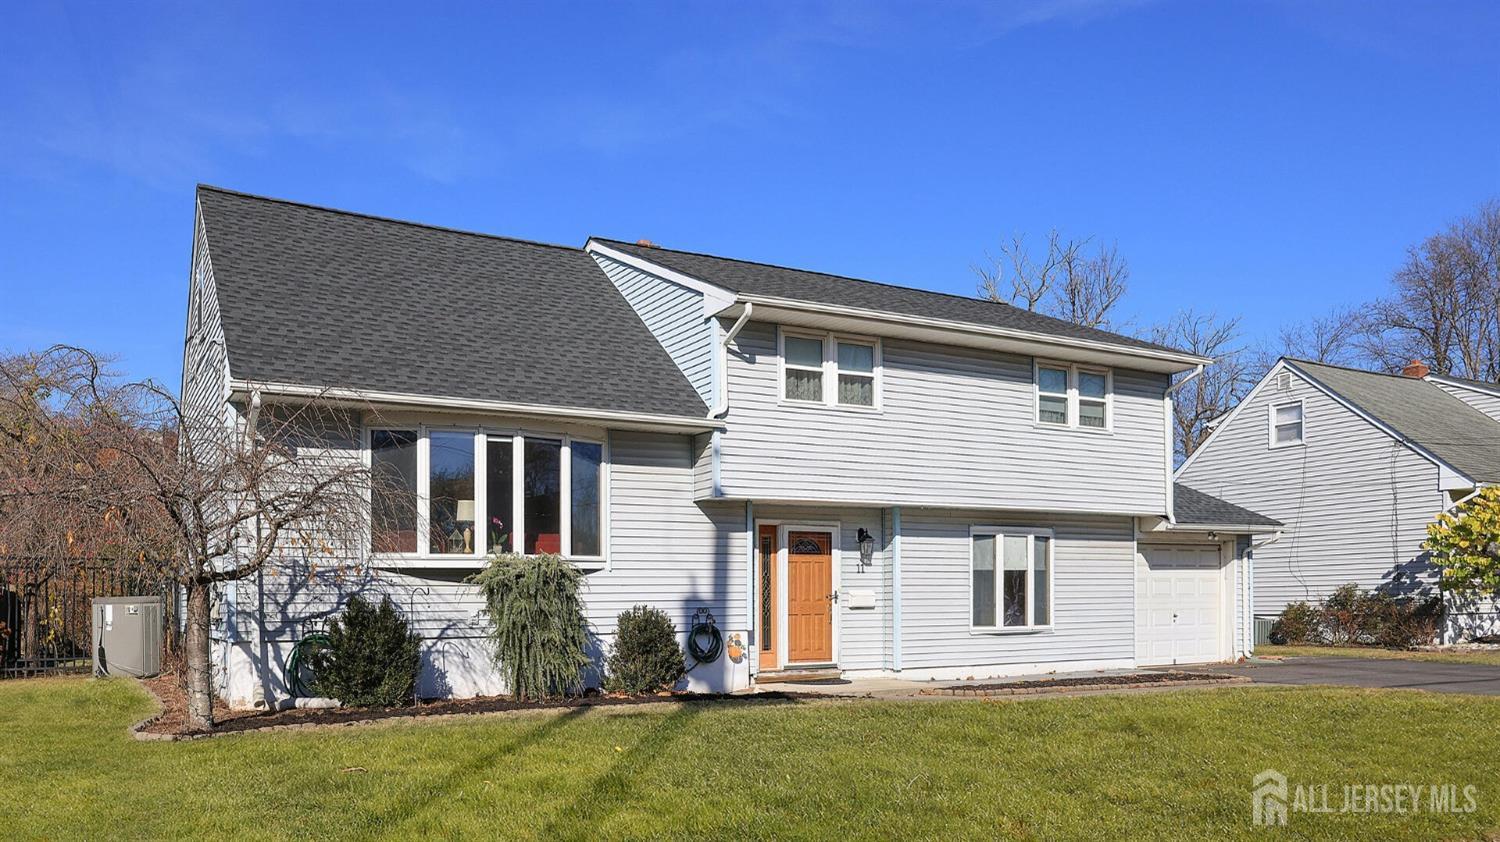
(1010, 578)
(465, 493)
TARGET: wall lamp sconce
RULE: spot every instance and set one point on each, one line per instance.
(866, 545)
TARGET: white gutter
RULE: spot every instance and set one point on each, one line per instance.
(1166, 422)
(450, 404)
(975, 328)
(252, 417)
(721, 400)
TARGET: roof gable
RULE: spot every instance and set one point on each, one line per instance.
(1422, 413)
(326, 298)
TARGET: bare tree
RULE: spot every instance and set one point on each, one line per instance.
(1331, 338)
(1221, 386)
(195, 498)
(1445, 309)
(1064, 282)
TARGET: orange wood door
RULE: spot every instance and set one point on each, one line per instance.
(768, 608)
(809, 597)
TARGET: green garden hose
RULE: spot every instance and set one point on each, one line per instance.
(300, 653)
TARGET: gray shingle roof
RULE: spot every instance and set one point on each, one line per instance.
(327, 298)
(1191, 506)
(1421, 412)
(741, 276)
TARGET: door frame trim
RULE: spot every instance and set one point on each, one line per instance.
(835, 576)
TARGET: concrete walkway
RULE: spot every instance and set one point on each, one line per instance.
(1436, 676)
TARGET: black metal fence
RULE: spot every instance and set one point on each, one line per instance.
(46, 617)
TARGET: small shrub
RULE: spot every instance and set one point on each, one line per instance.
(1410, 623)
(646, 657)
(536, 623)
(1299, 623)
(372, 657)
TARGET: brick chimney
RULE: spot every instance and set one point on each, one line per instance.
(1417, 369)
(647, 243)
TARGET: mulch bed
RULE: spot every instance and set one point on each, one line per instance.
(1130, 681)
(171, 723)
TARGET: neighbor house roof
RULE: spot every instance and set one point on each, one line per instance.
(1420, 412)
(761, 279)
(326, 298)
(1191, 506)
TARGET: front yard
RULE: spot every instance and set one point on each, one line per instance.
(1156, 764)
(1489, 657)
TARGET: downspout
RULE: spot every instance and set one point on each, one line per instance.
(721, 394)
(1250, 588)
(1166, 423)
(252, 417)
(896, 588)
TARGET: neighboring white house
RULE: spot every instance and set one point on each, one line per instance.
(848, 475)
(1356, 464)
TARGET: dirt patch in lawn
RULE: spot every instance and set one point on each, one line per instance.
(1129, 681)
(171, 723)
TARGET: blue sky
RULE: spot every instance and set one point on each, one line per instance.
(1269, 160)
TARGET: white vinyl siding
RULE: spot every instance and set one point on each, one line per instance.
(674, 315)
(1354, 501)
(956, 428)
(1093, 581)
(1485, 402)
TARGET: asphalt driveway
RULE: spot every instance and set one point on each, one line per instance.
(1435, 676)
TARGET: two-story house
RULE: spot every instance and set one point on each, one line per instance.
(850, 476)
(1356, 464)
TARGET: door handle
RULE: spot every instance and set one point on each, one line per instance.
(834, 597)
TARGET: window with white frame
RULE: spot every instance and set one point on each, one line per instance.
(1073, 396)
(471, 493)
(830, 369)
(1286, 424)
(1010, 578)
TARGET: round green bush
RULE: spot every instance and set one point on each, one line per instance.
(371, 659)
(646, 657)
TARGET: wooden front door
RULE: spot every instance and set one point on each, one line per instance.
(809, 597)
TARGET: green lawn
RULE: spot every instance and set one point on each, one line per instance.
(1165, 765)
(1492, 658)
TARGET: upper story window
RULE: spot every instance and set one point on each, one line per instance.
(1286, 424)
(466, 493)
(1073, 396)
(829, 369)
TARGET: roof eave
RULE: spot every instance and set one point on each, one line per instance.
(1020, 341)
(376, 398)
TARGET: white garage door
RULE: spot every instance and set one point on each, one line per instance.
(1178, 605)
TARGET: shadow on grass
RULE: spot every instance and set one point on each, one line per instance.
(609, 791)
(404, 809)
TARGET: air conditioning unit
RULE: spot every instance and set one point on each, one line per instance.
(128, 635)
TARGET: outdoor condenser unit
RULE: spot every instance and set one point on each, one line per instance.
(127, 635)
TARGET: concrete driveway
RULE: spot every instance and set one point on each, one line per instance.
(1369, 672)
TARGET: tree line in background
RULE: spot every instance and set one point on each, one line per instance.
(1443, 308)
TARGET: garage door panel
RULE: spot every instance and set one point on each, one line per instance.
(1179, 595)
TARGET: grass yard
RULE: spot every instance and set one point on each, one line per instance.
(1166, 765)
(1491, 658)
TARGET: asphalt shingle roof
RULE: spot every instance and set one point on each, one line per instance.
(327, 298)
(1421, 412)
(1191, 506)
(741, 276)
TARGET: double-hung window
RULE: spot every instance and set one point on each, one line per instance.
(1286, 424)
(1010, 578)
(1073, 396)
(830, 369)
(464, 493)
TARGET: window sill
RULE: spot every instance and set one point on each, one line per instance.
(832, 407)
(1074, 428)
(980, 631)
(1286, 444)
(461, 562)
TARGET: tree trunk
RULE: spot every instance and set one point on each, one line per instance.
(200, 673)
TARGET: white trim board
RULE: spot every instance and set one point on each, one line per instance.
(715, 298)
